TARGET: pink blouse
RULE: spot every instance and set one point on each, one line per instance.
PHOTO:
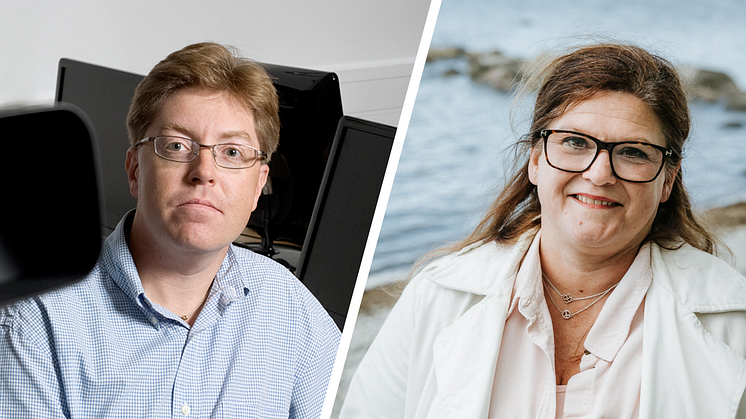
(608, 384)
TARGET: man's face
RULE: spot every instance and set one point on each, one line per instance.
(196, 206)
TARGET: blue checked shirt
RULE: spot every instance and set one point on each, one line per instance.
(262, 347)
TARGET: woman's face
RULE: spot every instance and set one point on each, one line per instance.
(594, 211)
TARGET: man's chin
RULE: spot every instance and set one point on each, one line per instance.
(200, 239)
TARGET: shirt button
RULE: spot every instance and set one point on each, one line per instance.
(185, 410)
(527, 304)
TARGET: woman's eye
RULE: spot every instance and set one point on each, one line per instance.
(633, 153)
(575, 142)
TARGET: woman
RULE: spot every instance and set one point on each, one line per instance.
(589, 289)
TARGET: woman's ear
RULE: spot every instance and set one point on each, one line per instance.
(533, 165)
(668, 185)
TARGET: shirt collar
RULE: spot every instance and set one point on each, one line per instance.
(229, 281)
(527, 286)
(117, 259)
(613, 324)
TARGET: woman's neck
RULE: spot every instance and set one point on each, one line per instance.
(580, 272)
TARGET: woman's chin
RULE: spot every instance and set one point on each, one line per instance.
(598, 237)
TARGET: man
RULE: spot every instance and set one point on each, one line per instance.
(174, 321)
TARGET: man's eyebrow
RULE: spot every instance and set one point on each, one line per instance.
(233, 134)
(188, 132)
(177, 127)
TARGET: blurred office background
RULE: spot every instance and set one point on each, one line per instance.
(370, 45)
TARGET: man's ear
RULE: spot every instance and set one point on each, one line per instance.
(668, 185)
(263, 175)
(131, 164)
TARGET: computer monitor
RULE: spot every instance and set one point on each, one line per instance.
(310, 108)
(104, 94)
(343, 214)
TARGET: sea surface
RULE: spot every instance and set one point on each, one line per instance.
(457, 145)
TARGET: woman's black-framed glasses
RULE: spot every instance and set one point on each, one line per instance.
(631, 161)
(185, 150)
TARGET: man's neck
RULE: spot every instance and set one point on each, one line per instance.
(174, 278)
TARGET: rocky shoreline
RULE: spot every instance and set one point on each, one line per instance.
(501, 72)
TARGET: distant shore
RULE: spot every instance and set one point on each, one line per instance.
(501, 72)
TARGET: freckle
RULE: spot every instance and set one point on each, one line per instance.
(580, 223)
(581, 290)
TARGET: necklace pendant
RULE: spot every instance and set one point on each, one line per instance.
(184, 317)
(567, 298)
(566, 314)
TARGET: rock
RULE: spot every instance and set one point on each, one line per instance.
(727, 217)
(451, 72)
(445, 53)
(709, 85)
(733, 125)
(495, 69)
(736, 101)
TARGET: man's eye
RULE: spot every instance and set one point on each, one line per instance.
(175, 145)
(231, 151)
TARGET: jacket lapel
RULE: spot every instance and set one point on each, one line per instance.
(465, 358)
(686, 372)
(465, 353)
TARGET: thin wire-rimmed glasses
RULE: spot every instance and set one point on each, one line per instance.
(631, 161)
(185, 150)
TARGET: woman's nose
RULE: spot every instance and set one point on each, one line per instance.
(600, 172)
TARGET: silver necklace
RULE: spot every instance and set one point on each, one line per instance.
(567, 298)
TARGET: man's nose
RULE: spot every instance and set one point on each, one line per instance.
(203, 166)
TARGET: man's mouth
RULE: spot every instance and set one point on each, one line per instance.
(201, 202)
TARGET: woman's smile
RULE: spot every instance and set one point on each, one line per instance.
(596, 201)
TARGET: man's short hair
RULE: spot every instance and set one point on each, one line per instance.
(215, 67)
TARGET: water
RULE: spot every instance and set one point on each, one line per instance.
(454, 155)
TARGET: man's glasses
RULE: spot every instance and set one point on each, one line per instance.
(631, 161)
(184, 150)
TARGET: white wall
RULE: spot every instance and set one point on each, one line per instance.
(370, 44)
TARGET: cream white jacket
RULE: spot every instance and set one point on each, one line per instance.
(436, 354)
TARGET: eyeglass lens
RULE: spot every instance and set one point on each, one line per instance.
(184, 150)
(632, 161)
